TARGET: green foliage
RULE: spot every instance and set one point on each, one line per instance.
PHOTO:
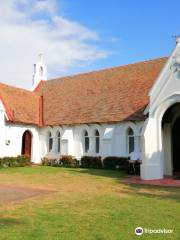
(19, 161)
(68, 161)
(64, 161)
(91, 162)
(87, 162)
(45, 161)
(120, 163)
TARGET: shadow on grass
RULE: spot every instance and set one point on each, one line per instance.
(100, 172)
(6, 222)
(161, 193)
(115, 174)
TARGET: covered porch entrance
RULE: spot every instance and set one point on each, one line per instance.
(171, 140)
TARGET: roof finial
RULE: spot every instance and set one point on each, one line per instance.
(40, 57)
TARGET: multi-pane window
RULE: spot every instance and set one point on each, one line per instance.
(130, 140)
(50, 141)
(86, 142)
(97, 141)
(58, 142)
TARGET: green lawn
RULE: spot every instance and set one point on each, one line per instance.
(85, 204)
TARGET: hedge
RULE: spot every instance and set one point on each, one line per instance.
(19, 161)
(64, 161)
(110, 162)
(91, 162)
(120, 163)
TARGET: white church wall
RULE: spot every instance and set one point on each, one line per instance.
(3, 130)
(11, 139)
(113, 139)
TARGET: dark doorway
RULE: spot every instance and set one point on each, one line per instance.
(26, 143)
(176, 146)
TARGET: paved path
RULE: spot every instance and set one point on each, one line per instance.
(9, 193)
(166, 182)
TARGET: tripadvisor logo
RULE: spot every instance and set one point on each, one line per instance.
(138, 231)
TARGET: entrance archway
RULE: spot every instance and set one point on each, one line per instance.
(26, 143)
(171, 140)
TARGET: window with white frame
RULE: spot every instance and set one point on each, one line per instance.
(50, 142)
(130, 140)
(97, 141)
(58, 142)
(86, 142)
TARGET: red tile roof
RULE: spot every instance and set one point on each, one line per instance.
(22, 106)
(110, 95)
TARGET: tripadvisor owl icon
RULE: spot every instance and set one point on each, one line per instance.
(139, 231)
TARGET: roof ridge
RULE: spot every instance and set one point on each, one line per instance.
(106, 69)
(18, 88)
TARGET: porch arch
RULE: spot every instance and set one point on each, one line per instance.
(154, 164)
(171, 140)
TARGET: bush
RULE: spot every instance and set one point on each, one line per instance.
(120, 163)
(45, 161)
(68, 161)
(19, 161)
(91, 162)
(64, 161)
(23, 160)
(49, 162)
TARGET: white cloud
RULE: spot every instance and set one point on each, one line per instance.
(30, 27)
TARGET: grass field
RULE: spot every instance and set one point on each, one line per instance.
(83, 204)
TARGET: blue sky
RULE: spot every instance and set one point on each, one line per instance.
(140, 29)
(78, 36)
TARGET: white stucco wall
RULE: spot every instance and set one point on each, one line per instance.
(113, 143)
(13, 133)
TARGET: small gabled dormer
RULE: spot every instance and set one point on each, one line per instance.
(40, 72)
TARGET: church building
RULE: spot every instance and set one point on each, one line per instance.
(113, 112)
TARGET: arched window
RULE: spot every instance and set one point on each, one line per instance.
(58, 142)
(97, 141)
(130, 140)
(41, 71)
(86, 142)
(50, 142)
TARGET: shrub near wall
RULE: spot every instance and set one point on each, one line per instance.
(68, 161)
(19, 161)
(64, 161)
(91, 162)
(45, 161)
(120, 163)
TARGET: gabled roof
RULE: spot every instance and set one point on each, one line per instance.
(106, 96)
(22, 106)
(110, 95)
